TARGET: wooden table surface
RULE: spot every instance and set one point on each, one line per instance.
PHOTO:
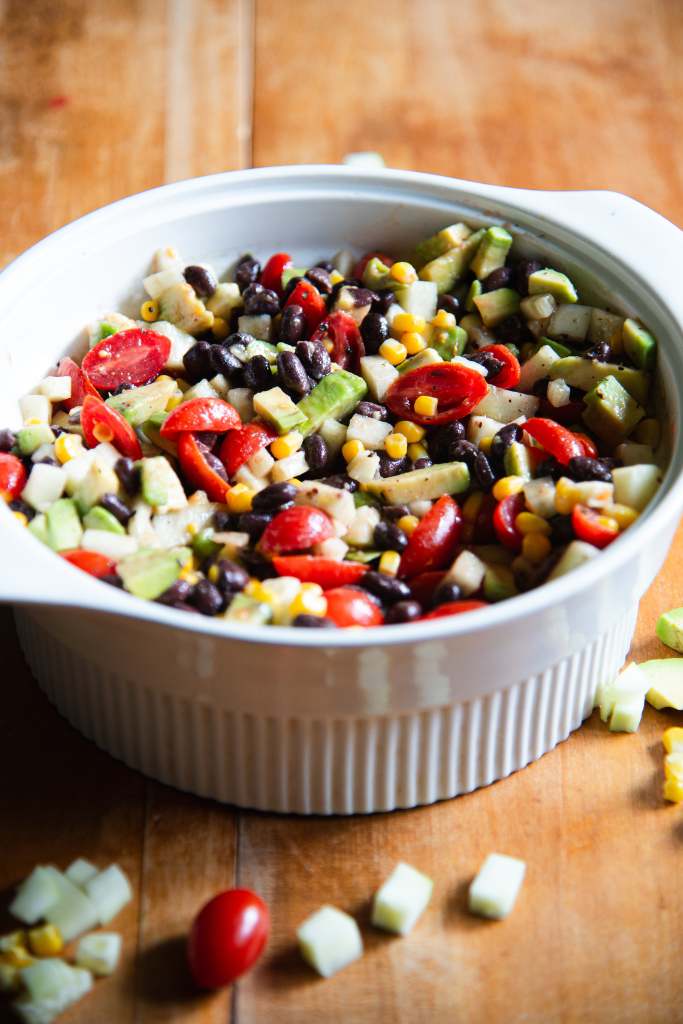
(101, 99)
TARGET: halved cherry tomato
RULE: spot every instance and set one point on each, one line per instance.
(457, 388)
(359, 268)
(296, 529)
(587, 525)
(556, 439)
(312, 303)
(423, 586)
(201, 414)
(564, 414)
(589, 449)
(504, 518)
(327, 572)
(349, 607)
(91, 562)
(227, 937)
(239, 445)
(454, 608)
(198, 471)
(271, 275)
(132, 357)
(509, 376)
(80, 385)
(102, 423)
(12, 476)
(347, 344)
(432, 544)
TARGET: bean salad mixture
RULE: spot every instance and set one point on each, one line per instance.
(361, 442)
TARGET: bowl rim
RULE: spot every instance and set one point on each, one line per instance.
(556, 210)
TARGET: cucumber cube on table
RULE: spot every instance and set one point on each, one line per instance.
(35, 896)
(329, 940)
(401, 899)
(494, 891)
(99, 952)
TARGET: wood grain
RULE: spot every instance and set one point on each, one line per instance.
(100, 99)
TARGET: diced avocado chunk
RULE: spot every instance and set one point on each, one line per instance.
(554, 283)
(334, 397)
(258, 347)
(160, 484)
(492, 252)
(379, 374)
(670, 629)
(517, 461)
(499, 583)
(151, 428)
(63, 524)
(289, 272)
(419, 298)
(98, 480)
(474, 291)
(450, 267)
(576, 554)
(570, 322)
(29, 439)
(149, 572)
(243, 608)
(639, 345)
(586, 373)
(277, 408)
(556, 346)
(38, 527)
(356, 555)
(99, 518)
(496, 306)
(449, 342)
(426, 357)
(226, 298)
(376, 274)
(258, 325)
(665, 676)
(139, 404)
(635, 485)
(610, 411)
(203, 544)
(423, 484)
(440, 243)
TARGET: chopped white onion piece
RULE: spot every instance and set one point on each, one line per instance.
(45, 486)
(494, 891)
(34, 896)
(80, 871)
(112, 545)
(110, 891)
(401, 900)
(73, 912)
(329, 940)
(99, 952)
(35, 407)
(55, 389)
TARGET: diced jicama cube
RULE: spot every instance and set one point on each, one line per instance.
(576, 554)
(401, 900)
(99, 952)
(55, 389)
(481, 427)
(73, 912)
(110, 891)
(45, 486)
(113, 545)
(333, 434)
(468, 572)
(35, 896)
(634, 485)
(261, 463)
(35, 407)
(494, 891)
(559, 393)
(364, 467)
(338, 503)
(290, 467)
(333, 547)
(370, 432)
(53, 979)
(80, 871)
(329, 940)
(361, 531)
(243, 400)
(539, 496)
(155, 284)
(48, 1009)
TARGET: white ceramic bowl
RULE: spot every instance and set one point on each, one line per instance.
(307, 721)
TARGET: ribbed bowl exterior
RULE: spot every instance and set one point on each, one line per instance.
(323, 765)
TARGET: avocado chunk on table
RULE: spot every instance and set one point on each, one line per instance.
(670, 629)
(334, 397)
(422, 484)
(665, 676)
(610, 411)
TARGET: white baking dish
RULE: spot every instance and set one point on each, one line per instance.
(307, 721)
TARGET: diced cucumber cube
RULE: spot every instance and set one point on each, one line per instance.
(35, 896)
(109, 891)
(329, 940)
(494, 891)
(401, 899)
(99, 952)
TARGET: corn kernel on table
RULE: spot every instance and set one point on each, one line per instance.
(100, 100)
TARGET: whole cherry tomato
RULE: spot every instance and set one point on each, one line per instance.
(91, 562)
(454, 608)
(80, 385)
(312, 303)
(13, 476)
(327, 572)
(200, 414)
(504, 523)
(296, 529)
(227, 937)
(271, 275)
(132, 357)
(556, 439)
(359, 269)
(457, 388)
(239, 445)
(590, 526)
(347, 343)
(432, 544)
(349, 607)
(509, 376)
(197, 469)
(102, 423)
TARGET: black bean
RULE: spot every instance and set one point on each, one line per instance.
(463, 451)
(112, 504)
(492, 365)
(313, 622)
(359, 296)
(374, 331)
(232, 578)
(499, 278)
(113, 579)
(314, 358)
(441, 441)
(206, 439)
(562, 529)
(513, 330)
(552, 468)
(202, 279)
(403, 611)
(128, 474)
(7, 440)
(17, 505)
(254, 523)
(119, 390)
(223, 361)
(257, 375)
(258, 299)
(290, 286)
(392, 512)
(216, 465)
(178, 592)
(327, 265)
(207, 598)
(506, 436)
(523, 270)
(316, 453)
(450, 303)
(390, 537)
(384, 299)
(483, 472)
(387, 588)
(582, 468)
(341, 481)
(320, 277)
(197, 361)
(446, 592)
(224, 521)
(293, 376)
(529, 576)
(392, 467)
(601, 352)
(292, 325)
(247, 271)
(372, 409)
(238, 338)
(260, 567)
(273, 497)
(422, 463)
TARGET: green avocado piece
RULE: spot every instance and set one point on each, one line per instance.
(419, 298)
(610, 411)
(160, 484)
(640, 346)
(552, 282)
(376, 275)
(496, 306)
(556, 346)
(243, 608)
(665, 676)
(449, 342)
(492, 252)
(38, 527)
(356, 555)
(138, 404)
(440, 243)
(203, 544)
(334, 397)
(499, 583)
(151, 428)
(63, 524)
(586, 373)
(99, 518)
(361, 498)
(262, 348)
(474, 291)
(149, 572)
(278, 409)
(29, 439)
(289, 272)
(449, 268)
(517, 461)
(422, 484)
(670, 629)
(426, 357)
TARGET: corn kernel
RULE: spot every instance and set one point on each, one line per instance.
(393, 351)
(46, 940)
(506, 486)
(528, 522)
(673, 765)
(254, 588)
(351, 449)
(536, 547)
(16, 956)
(411, 431)
(647, 432)
(239, 498)
(403, 272)
(33, 421)
(417, 451)
(149, 311)
(21, 518)
(213, 574)
(283, 447)
(336, 277)
(191, 529)
(396, 446)
(472, 506)
(565, 496)
(426, 405)
(485, 445)
(673, 790)
(407, 322)
(220, 328)
(408, 524)
(164, 378)
(389, 562)
(68, 446)
(443, 320)
(309, 601)
(173, 402)
(673, 739)
(413, 342)
(608, 523)
(623, 515)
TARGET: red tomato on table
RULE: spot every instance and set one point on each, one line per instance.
(200, 414)
(556, 439)
(587, 525)
(347, 344)
(349, 607)
(509, 376)
(239, 445)
(271, 275)
(311, 301)
(227, 937)
(91, 562)
(432, 544)
(327, 572)
(80, 385)
(13, 476)
(101, 423)
(296, 529)
(457, 388)
(132, 357)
